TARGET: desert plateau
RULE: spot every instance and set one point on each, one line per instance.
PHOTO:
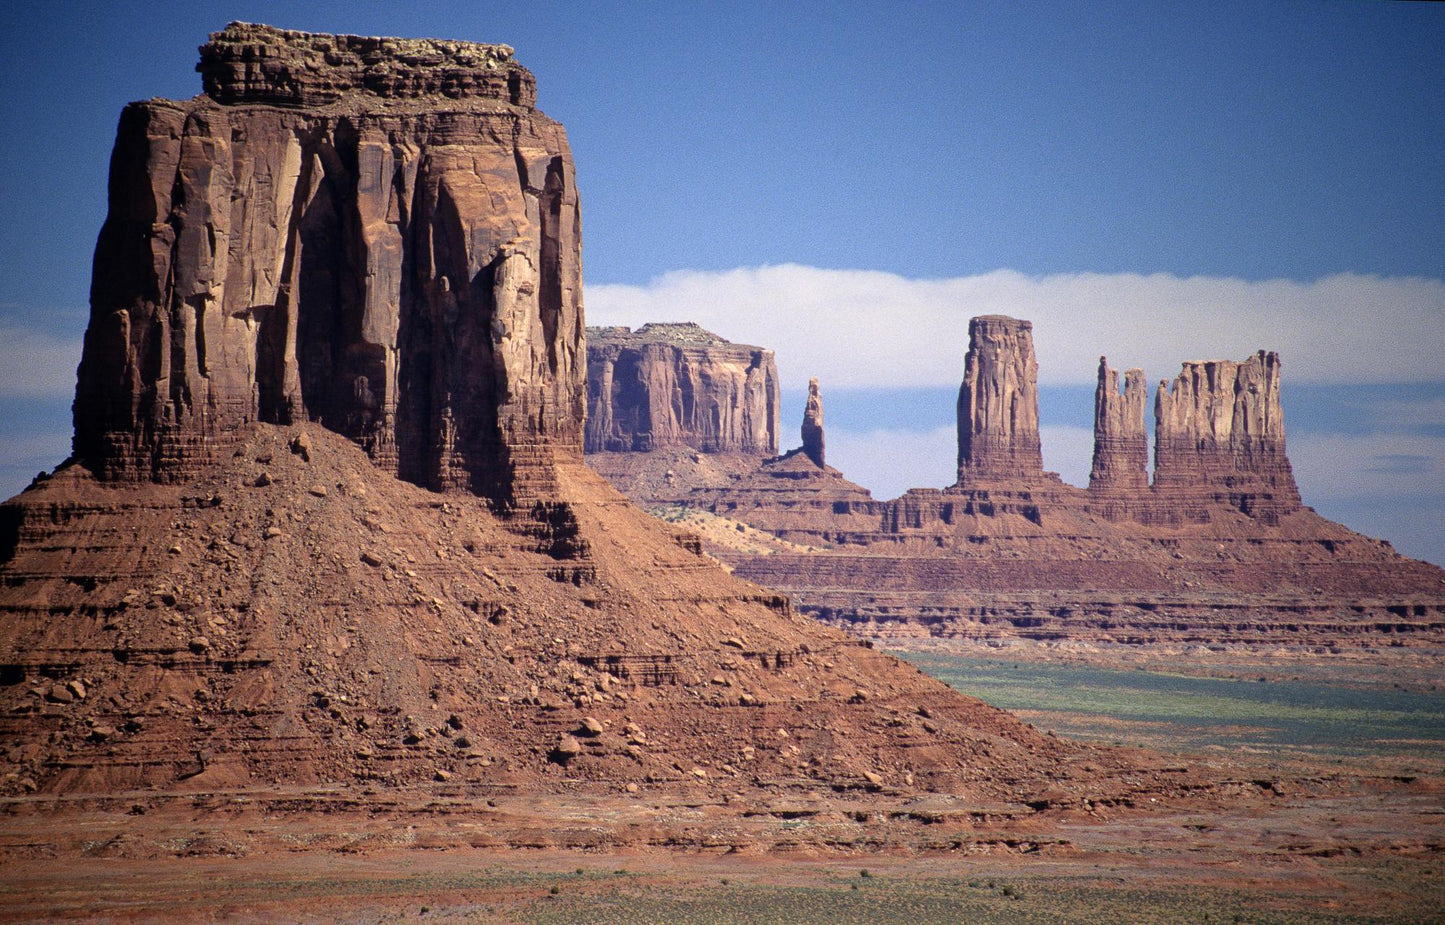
(377, 586)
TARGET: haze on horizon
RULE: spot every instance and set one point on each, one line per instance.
(849, 183)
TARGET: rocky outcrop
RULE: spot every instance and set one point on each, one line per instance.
(248, 63)
(998, 404)
(378, 235)
(813, 424)
(1217, 552)
(1121, 446)
(320, 272)
(678, 385)
(1219, 436)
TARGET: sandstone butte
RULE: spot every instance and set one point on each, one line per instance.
(1216, 552)
(327, 545)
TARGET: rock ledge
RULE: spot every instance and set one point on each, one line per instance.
(252, 63)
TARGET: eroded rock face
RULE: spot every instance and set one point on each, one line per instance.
(1217, 551)
(673, 385)
(813, 424)
(388, 244)
(1121, 446)
(248, 63)
(998, 403)
(1219, 431)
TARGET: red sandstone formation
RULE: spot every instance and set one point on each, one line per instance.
(789, 496)
(673, 407)
(672, 385)
(1121, 447)
(1219, 436)
(380, 235)
(358, 258)
(998, 404)
(813, 424)
(1217, 551)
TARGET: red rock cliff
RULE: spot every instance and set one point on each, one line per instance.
(1219, 433)
(998, 403)
(388, 244)
(672, 385)
(1121, 446)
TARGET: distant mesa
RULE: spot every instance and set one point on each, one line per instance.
(1215, 549)
(1121, 446)
(678, 385)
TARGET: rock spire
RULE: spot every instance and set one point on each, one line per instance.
(1121, 447)
(813, 424)
(1219, 432)
(998, 403)
(388, 244)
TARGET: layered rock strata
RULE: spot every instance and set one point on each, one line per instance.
(813, 425)
(1219, 435)
(378, 235)
(1218, 551)
(676, 385)
(1121, 444)
(335, 279)
(998, 404)
(790, 495)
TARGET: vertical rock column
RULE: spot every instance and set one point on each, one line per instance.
(1219, 437)
(813, 424)
(1121, 447)
(998, 404)
(378, 235)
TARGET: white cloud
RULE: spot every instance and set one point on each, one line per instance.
(861, 328)
(36, 365)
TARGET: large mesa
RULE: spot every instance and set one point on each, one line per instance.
(378, 235)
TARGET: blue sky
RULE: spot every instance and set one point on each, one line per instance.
(1229, 175)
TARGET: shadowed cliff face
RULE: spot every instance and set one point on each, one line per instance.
(675, 385)
(389, 246)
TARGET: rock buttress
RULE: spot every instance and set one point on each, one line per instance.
(389, 246)
(1219, 434)
(998, 403)
(678, 385)
(813, 424)
(1121, 447)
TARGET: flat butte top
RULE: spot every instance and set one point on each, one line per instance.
(253, 63)
(684, 333)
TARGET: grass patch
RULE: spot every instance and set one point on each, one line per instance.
(1176, 712)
